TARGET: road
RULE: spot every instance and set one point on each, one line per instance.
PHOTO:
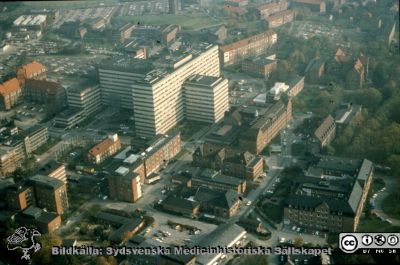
(153, 193)
(391, 187)
(276, 163)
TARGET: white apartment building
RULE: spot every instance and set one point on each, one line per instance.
(206, 98)
(116, 78)
(158, 97)
(85, 97)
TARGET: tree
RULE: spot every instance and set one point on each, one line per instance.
(394, 110)
(328, 150)
(298, 241)
(47, 241)
(379, 75)
(394, 163)
(83, 228)
(371, 98)
(303, 13)
(106, 261)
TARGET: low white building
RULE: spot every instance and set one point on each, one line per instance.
(225, 235)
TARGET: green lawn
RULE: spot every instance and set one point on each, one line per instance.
(390, 205)
(374, 224)
(186, 21)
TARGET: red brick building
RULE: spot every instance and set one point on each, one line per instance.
(245, 48)
(326, 132)
(334, 204)
(10, 94)
(259, 67)
(104, 149)
(162, 149)
(124, 185)
(271, 8)
(50, 193)
(32, 70)
(266, 127)
(281, 18)
(19, 197)
(231, 162)
(45, 222)
(313, 5)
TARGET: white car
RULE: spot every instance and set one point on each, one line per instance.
(248, 203)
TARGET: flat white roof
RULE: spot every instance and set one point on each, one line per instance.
(122, 170)
(131, 159)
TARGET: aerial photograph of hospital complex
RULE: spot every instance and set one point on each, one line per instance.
(199, 132)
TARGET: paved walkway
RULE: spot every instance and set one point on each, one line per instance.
(391, 185)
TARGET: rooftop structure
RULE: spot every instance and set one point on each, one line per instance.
(29, 20)
(32, 70)
(325, 133)
(47, 181)
(334, 187)
(229, 235)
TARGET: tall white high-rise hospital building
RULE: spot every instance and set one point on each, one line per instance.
(157, 95)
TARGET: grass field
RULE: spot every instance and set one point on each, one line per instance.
(187, 21)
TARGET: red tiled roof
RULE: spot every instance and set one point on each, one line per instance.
(31, 68)
(9, 86)
(101, 147)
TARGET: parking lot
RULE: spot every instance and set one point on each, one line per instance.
(165, 233)
(69, 68)
(141, 7)
(27, 115)
(72, 15)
